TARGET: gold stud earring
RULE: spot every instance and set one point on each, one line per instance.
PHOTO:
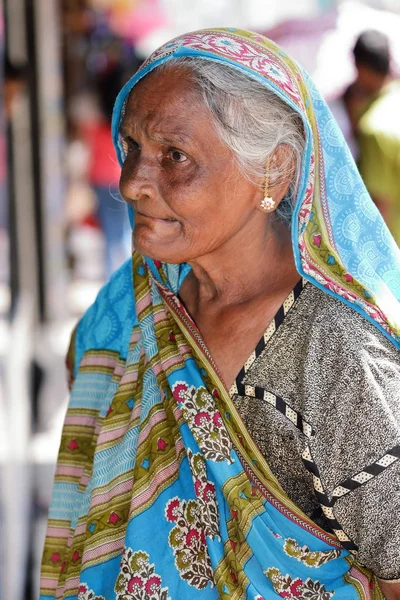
(267, 204)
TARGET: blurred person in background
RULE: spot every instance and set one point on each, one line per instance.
(14, 83)
(104, 172)
(372, 103)
(224, 377)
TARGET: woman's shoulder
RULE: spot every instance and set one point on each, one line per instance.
(321, 345)
(107, 323)
(332, 326)
(346, 358)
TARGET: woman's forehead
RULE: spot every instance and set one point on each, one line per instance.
(172, 81)
(168, 94)
(176, 116)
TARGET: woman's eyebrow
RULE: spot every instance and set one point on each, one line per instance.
(171, 138)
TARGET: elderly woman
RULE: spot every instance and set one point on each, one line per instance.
(233, 430)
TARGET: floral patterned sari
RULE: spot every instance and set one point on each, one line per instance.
(160, 492)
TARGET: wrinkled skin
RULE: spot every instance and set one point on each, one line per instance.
(193, 204)
(188, 194)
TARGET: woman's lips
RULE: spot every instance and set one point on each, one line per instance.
(156, 225)
(152, 218)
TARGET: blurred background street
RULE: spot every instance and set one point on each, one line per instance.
(64, 228)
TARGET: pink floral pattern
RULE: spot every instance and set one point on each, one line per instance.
(253, 55)
(205, 421)
(138, 580)
(295, 588)
(84, 593)
(188, 542)
(205, 493)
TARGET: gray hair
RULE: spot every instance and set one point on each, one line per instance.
(252, 122)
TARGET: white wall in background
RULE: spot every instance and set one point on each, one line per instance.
(262, 14)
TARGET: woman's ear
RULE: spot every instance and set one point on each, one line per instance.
(281, 172)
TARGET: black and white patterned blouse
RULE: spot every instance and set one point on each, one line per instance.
(320, 396)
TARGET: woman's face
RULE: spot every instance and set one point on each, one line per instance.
(187, 192)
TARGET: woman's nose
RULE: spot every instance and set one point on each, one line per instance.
(138, 180)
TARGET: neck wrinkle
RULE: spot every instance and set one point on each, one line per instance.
(242, 269)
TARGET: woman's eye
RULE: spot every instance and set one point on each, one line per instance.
(177, 156)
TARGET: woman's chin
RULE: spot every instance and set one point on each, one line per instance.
(166, 251)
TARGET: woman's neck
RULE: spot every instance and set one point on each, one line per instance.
(249, 265)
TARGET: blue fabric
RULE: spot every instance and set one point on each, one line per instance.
(109, 320)
(114, 222)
